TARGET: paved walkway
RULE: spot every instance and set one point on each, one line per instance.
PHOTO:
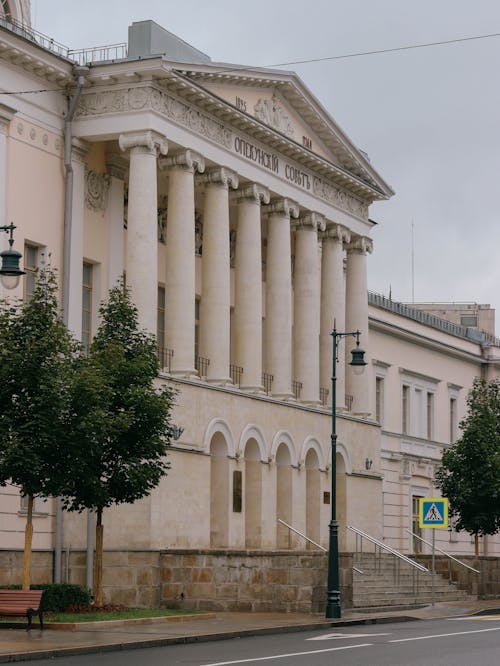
(18, 644)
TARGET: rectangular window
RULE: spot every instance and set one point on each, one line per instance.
(405, 410)
(430, 415)
(379, 399)
(453, 420)
(30, 266)
(160, 323)
(87, 278)
(237, 492)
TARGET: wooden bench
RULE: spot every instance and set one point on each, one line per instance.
(22, 602)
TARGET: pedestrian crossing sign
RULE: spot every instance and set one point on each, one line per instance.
(433, 512)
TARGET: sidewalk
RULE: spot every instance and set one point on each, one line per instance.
(20, 645)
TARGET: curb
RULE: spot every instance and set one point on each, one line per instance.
(201, 638)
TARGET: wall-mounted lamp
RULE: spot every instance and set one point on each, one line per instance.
(10, 272)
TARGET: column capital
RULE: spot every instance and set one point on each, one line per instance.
(310, 220)
(188, 160)
(252, 191)
(219, 176)
(360, 245)
(151, 141)
(116, 166)
(284, 207)
(79, 149)
(337, 232)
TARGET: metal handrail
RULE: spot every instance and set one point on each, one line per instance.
(392, 551)
(302, 535)
(443, 552)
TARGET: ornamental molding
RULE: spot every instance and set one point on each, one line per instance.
(310, 220)
(149, 141)
(337, 232)
(284, 207)
(219, 176)
(186, 159)
(148, 98)
(271, 112)
(140, 98)
(253, 192)
(96, 190)
(339, 198)
(360, 245)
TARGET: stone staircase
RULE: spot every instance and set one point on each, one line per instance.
(387, 581)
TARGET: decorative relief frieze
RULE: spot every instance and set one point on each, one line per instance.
(339, 197)
(148, 98)
(270, 112)
(139, 98)
(96, 190)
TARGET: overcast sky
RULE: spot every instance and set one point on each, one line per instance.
(428, 118)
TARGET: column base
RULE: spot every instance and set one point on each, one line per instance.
(311, 403)
(223, 381)
(289, 397)
(190, 373)
(252, 389)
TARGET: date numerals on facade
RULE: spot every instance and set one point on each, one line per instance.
(241, 104)
(307, 142)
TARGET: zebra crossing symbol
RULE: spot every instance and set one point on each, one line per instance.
(433, 512)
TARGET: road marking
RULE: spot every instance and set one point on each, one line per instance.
(326, 637)
(458, 633)
(285, 656)
(481, 618)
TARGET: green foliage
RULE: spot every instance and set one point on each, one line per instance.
(470, 470)
(57, 597)
(37, 356)
(121, 423)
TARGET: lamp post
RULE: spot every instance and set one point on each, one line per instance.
(333, 590)
(10, 272)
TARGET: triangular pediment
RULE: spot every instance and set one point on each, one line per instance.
(281, 101)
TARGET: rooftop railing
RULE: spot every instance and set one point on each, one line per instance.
(465, 332)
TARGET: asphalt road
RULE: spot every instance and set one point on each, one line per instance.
(445, 642)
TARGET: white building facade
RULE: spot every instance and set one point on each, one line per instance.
(238, 211)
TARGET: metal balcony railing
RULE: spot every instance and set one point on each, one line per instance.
(348, 402)
(165, 358)
(201, 365)
(99, 54)
(235, 372)
(323, 396)
(296, 389)
(267, 382)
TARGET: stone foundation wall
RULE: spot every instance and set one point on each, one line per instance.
(486, 584)
(204, 580)
(250, 580)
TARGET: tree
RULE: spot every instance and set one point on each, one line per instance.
(122, 426)
(470, 470)
(37, 356)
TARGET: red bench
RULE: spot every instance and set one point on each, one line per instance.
(21, 602)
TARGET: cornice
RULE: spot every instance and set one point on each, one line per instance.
(423, 340)
(34, 59)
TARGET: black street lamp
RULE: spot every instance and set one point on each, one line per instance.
(333, 589)
(10, 272)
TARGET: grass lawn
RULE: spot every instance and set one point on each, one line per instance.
(101, 616)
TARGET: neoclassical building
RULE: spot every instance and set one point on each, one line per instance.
(238, 211)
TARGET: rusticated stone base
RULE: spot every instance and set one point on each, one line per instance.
(286, 581)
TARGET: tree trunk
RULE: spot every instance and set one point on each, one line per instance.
(98, 592)
(476, 544)
(28, 540)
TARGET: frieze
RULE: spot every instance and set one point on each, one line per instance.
(146, 97)
(339, 197)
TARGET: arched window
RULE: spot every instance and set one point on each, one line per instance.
(5, 9)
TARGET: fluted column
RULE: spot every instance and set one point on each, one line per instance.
(215, 306)
(141, 250)
(248, 285)
(357, 319)
(332, 307)
(307, 304)
(116, 167)
(180, 288)
(278, 329)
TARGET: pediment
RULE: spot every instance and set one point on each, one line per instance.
(282, 102)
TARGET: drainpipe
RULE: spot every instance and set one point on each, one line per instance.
(79, 73)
